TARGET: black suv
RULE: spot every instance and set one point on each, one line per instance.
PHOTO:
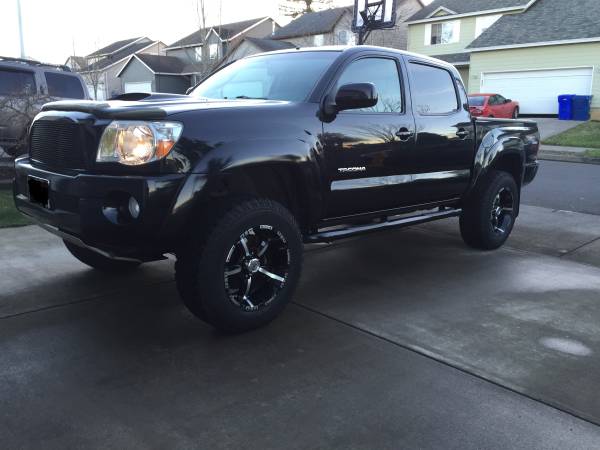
(25, 85)
(267, 153)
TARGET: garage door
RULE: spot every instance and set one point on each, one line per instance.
(537, 90)
(137, 87)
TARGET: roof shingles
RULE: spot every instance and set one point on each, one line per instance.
(225, 32)
(115, 57)
(545, 21)
(162, 64)
(113, 47)
(466, 6)
(310, 24)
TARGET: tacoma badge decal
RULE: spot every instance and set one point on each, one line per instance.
(352, 169)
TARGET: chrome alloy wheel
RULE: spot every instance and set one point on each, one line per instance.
(502, 211)
(256, 267)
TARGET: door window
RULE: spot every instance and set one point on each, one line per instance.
(64, 86)
(383, 73)
(17, 82)
(433, 90)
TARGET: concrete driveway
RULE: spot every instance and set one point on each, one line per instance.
(550, 127)
(405, 339)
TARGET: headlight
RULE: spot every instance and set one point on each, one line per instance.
(133, 143)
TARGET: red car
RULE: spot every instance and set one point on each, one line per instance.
(493, 105)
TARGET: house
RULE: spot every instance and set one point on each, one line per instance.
(76, 63)
(145, 72)
(528, 50)
(334, 27)
(328, 27)
(103, 65)
(202, 50)
(251, 46)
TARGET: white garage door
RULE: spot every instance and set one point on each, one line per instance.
(537, 90)
(137, 87)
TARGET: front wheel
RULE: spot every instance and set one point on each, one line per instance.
(488, 216)
(240, 270)
(99, 262)
(515, 113)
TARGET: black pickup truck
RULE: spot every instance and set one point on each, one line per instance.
(267, 153)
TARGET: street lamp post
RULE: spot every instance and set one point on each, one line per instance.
(20, 29)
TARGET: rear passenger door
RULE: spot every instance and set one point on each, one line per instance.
(444, 132)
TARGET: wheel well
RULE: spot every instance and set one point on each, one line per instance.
(281, 183)
(512, 164)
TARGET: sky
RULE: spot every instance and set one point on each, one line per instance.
(54, 29)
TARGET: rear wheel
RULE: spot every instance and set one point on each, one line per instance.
(99, 262)
(488, 216)
(241, 270)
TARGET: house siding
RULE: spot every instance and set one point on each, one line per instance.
(136, 72)
(548, 57)
(114, 85)
(416, 38)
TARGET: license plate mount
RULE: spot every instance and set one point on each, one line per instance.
(39, 191)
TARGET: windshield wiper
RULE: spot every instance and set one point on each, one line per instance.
(245, 97)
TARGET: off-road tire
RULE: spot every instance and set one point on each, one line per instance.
(99, 262)
(480, 227)
(202, 274)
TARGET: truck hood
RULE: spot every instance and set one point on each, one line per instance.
(152, 106)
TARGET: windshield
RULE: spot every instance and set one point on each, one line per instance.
(284, 76)
(476, 100)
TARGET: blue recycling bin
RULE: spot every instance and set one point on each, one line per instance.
(565, 107)
(581, 107)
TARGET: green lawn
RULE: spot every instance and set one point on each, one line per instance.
(9, 216)
(595, 153)
(585, 135)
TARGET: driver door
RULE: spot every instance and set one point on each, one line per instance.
(367, 151)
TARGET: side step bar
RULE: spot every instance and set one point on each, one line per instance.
(328, 236)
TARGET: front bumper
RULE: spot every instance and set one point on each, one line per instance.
(92, 209)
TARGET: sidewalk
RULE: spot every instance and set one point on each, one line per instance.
(566, 154)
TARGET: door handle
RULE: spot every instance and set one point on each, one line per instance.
(404, 134)
(462, 133)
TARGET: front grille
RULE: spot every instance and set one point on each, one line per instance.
(57, 144)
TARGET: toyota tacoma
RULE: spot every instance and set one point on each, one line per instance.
(268, 153)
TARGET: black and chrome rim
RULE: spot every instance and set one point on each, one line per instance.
(502, 211)
(256, 267)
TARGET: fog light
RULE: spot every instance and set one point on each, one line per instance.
(134, 208)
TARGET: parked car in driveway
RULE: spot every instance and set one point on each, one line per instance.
(269, 152)
(25, 85)
(493, 105)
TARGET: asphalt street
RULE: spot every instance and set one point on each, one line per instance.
(565, 186)
(405, 339)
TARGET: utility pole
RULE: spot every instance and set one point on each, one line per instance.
(20, 28)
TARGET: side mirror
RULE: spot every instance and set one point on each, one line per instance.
(356, 96)
(507, 100)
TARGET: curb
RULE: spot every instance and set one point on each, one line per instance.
(566, 157)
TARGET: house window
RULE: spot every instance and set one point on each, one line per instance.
(442, 33)
(198, 53)
(319, 40)
(213, 50)
(484, 22)
(346, 37)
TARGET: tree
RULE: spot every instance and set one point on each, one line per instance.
(296, 8)
(92, 78)
(200, 55)
(18, 110)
